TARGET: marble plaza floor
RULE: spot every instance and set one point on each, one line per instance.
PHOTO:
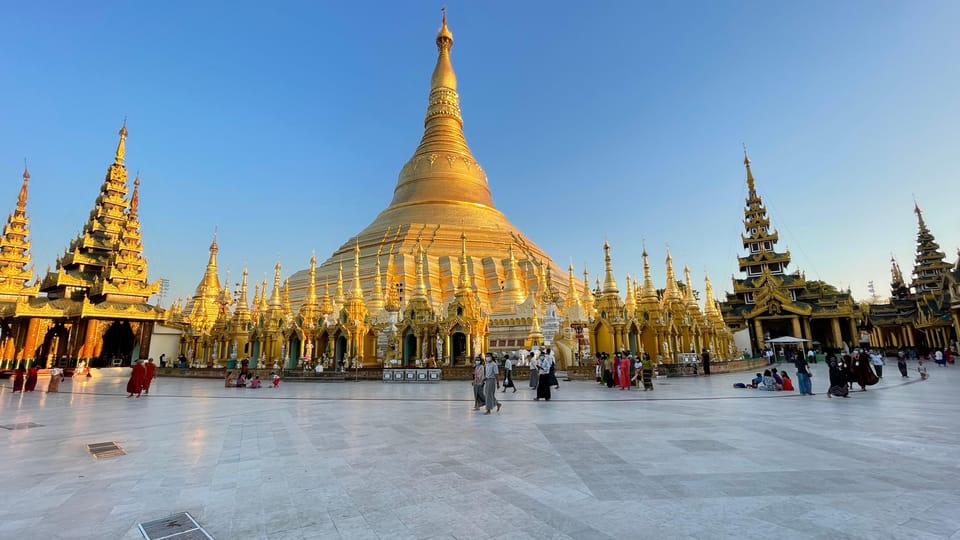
(694, 459)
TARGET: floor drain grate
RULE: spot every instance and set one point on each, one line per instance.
(22, 425)
(180, 526)
(105, 450)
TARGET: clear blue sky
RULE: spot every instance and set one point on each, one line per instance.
(286, 124)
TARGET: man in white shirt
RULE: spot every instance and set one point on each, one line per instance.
(491, 369)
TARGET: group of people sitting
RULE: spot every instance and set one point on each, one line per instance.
(769, 380)
(246, 380)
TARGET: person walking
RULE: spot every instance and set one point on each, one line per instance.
(135, 384)
(32, 374)
(479, 376)
(56, 376)
(902, 365)
(534, 375)
(491, 370)
(647, 372)
(149, 370)
(543, 387)
(877, 359)
(508, 375)
(706, 362)
(803, 376)
(624, 372)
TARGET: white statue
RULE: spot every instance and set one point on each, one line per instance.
(439, 348)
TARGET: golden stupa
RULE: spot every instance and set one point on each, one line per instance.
(441, 194)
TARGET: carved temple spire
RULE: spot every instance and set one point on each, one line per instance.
(630, 302)
(326, 305)
(688, 296)
(463, 285)
(609, 283)
(930, 263)
(588, 298)
(391, 301)
(15, 257)
(377, 302)
(122, 144)
(357, 288)
(751, 187)
(649, 289)
(264, 306)
(896, 275)
(276, 302)
(312, 284)
(572, 292)
(421, 292)
(512, 293)
(256, 301)
(285, 299)
(242, 310)
(339, 298)
(671, 293)
(443, 138)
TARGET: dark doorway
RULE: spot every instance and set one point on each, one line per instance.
(458, 342)
(118, 342)
(409, 348)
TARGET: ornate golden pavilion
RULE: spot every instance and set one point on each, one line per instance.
(440, 273)
(928, 316)
(772, 303)
(93, 307)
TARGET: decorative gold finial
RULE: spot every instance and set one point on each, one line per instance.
(444, 32)
(122, 145)
(26, 172)
(135, 196)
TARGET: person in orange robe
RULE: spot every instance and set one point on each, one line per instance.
(135, 384)
(150, 369)
(32, 374)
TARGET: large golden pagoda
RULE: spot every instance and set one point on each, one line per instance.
(442, 193)
(459, 280)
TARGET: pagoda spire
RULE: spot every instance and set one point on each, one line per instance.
(896, 275)
(357, 288)
(671, 293)
(377, 302)
(275, 299)
(421, 292)
(285, 297)
(630, 302)
(464, 282)
(121, 145)
(312, 285)
(461, 179)
(512, 293)
(572, 291)
(210, 284)
(339, 298)
(242, 311)
(256, 300)
(649, 289)
(326, 305)
(15, 268)
(930, 262)
(264, 306)
(609, 283)
(751, 187)
(588, 298)
(688, 296)
(709, 303)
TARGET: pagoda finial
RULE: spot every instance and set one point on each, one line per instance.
(670, 291)
(22, 198)
(135, 197)
(750, 184)
(275, 299)
(609, 283)
(122, 145)
(243, 291)
(339, 298)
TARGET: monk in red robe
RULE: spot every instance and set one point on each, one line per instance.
(135, 384)
(32, 374)
(18, 379)
(150, 369)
